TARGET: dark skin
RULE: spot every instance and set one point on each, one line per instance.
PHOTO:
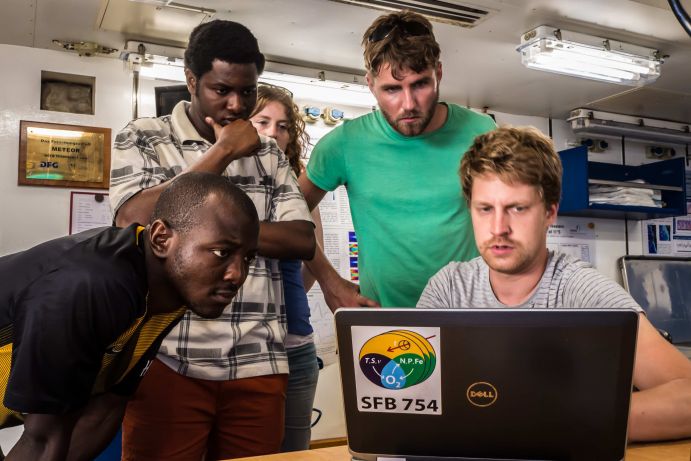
(218, 253)
(77, 435)
(222, 101)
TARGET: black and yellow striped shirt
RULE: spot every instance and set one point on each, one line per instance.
(73, 322)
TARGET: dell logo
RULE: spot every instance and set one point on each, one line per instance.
(481, 394)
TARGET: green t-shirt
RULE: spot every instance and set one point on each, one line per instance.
(405, 197)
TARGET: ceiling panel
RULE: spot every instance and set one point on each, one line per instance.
(649, 103)
(142, 21)
(17, 23)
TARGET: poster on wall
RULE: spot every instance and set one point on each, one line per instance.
(341, 249)
(89, 210)
(669, 236)
(573, 236)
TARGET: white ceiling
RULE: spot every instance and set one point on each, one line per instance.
(480, 65)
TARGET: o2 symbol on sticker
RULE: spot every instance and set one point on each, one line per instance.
(397, 359)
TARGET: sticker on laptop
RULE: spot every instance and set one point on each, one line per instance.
(397, 369)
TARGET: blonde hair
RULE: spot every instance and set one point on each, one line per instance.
(516, 155)
(401, 51)
(299, 139)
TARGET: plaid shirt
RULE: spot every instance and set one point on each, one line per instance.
(247, 339)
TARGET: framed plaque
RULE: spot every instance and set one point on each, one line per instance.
(58, 155)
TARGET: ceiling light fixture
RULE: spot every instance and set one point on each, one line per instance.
(305, 83)
(597, 123)
(596, 58)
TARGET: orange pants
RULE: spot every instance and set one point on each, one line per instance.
(174, 417)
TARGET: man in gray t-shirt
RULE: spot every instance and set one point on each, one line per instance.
(511, 179)
(565, 283)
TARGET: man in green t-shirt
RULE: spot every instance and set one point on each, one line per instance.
(399, 166)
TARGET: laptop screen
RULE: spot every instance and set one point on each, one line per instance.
(489, 384)
(661, 286)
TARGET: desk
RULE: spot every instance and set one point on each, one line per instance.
(669, 451)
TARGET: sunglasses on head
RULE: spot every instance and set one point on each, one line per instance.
(405, 28)
(279, 88)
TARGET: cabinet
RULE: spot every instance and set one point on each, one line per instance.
(667, 176)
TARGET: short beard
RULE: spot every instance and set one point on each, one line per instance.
(419, 127)
(522, 263)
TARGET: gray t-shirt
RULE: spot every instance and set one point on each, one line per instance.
(566, 283)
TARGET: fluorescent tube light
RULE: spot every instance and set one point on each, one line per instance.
(329, 91)
(597, 123)
(343, 92)
(159, 71)
(596, 58)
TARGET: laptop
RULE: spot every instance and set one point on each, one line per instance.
(486, 384)
(661, 286)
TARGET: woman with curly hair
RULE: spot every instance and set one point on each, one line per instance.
(277, 117)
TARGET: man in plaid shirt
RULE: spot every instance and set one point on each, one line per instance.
(217, 386)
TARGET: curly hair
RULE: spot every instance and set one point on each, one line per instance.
(226, 41)
(400, 50)
(299, 139)
(515, 154)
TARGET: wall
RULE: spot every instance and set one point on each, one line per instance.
(28, 214)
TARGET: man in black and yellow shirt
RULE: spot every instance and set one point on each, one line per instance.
(81, 316)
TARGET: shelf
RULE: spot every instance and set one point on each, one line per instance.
(667, 176)
(633, 185)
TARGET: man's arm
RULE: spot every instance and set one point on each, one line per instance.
(45, 437)
(79, 435)
(235, 140)
(661, 409)
(338, 292)
(313, 194)
(286, 240)
(308, 277)
(97, 426)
